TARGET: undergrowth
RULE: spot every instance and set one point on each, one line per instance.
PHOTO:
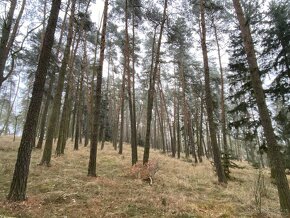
(180, 189)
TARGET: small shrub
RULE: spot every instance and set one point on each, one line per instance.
(146, 171)
(260, 190)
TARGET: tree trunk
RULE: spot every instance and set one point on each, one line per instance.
(6, 124)
(209, 102)
(163, 104)
(127, 123)
(45, 111)
(77, 121)
(152, 88)
(45, 114)
(201, 151)
(15, 127)
(19, 182)
(131, 98)
(122, 100)
(161, 124)
(276, 159)
(178, 127)
(62, 132)
(191, 139)
(97, 105)
(46, 156)
(223, 112)
(154, 138)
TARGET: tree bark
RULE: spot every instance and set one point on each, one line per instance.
(161, 124)
(97, 105)
(63, 131)
(131, 98)
(77, 121)
(46, 156)
(122, 108)
(223, 110)
(45, 111)
(152, 88)
(61, 141)
(275, 156)
(209, 102)
(19, 182)
(178, 126)
(171, 134)
(201, 151)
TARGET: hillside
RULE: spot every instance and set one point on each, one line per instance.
(180, 189)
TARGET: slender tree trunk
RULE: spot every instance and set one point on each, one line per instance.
(80, 105)
(178, 128)
(61, 134)
(276, 159)
(3, 102)
(45, 112)
(127, 123)
(73, 124)
(191, 139)
(87, 112)
(46, 156)
(65, 115)
(43, 23)
(83, 112)
(115, 115)
(209, 102)
(134, 122)
(161, 126)
(103, 138)
(115, 128)
(163, 104)
(97, 105)
(77, 121)
(201, 150)
(122, 108)
(223, 112)
(6, 124)
(131, 98)
(187, 118)
(15, 127)
(184, 109)
(19, 182)
(152, 88)
(154, 137)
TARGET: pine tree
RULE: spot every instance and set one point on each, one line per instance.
(273, 148)
(19, 182)
(98, 96)
(209, 100)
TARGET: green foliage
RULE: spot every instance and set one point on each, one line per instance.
(241, 94)
(83, 21)
(228, 163)
(283, 132)
(276, 48)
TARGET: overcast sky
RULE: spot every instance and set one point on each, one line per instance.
(97, 9)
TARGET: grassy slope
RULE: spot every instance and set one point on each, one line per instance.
(179, 189)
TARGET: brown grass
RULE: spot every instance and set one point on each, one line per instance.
(180, 189)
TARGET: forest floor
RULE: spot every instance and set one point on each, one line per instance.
(180, 189)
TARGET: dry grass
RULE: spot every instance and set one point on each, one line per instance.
(180, 189)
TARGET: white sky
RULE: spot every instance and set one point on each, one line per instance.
(96, 10)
